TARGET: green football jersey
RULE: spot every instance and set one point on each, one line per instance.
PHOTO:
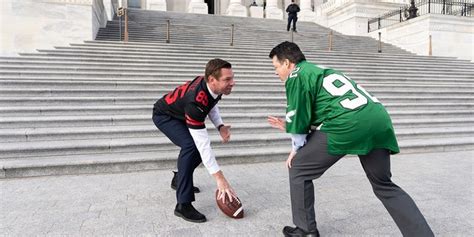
(355, 122)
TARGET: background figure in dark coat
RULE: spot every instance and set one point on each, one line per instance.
(292, 10)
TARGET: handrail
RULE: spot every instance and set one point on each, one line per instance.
(125, 37)
(430, 47)
(168, 40)
(232, 35)
(229, 32)
(380, 43)
(459, 8)
(330, 41)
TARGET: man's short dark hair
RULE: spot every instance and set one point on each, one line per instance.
(287, 50)
(214, 66)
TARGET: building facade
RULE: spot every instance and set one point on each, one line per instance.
(47, 23)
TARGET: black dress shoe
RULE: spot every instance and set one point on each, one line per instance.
(187, 212)
(173, 183)
(295, 231)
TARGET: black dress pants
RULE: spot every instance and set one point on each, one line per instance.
(291, 18)
(313, 160)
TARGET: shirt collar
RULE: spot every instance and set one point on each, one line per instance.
(211, 92)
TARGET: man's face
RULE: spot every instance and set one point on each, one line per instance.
(224, 84)
(282, 69)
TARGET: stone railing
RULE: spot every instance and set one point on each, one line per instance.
(331, 5)
(72, 2)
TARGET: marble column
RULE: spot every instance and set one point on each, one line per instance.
(306, 13)
(109, 9)
(197, 6)
(236, 9)
(256, 11)
(272, 11)
(159, 5)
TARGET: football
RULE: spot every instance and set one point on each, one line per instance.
(232, 209)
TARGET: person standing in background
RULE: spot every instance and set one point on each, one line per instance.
(292, 10)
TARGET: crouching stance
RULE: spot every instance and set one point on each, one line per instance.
(180, 115)
(328, 116)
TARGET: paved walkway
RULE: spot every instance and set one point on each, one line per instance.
(141, 203)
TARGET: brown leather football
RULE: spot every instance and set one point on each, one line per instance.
(232, 209)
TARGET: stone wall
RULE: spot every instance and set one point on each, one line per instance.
(28, 25)
(451, 36)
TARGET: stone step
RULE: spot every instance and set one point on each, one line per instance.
(150, 160)
(191, 56)
(156, 46)
(156, 143)
(98, 83)
(208, 28)
(168, 60)
(142, 100)
(400, 118)
(238, 90)
(203, 36)
(126, 162)
(64, 110)
(159, 143)
(373, 76)
(229, 107)
(107, 132)
(140, 131)
(247, 41)
(88, 101)
(145, 30)
(196, 25)
(238, 75)
(179, 79)
(376, 57)
(264, 69)
(229, 52)
(237, 49)
(241, 64)
(265, 48)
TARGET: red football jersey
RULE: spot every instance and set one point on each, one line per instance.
(190, 102)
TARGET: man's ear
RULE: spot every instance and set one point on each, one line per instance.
(210, 78)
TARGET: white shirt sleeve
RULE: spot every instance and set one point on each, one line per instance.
(203, 144)
(297, 141)
(215, 117)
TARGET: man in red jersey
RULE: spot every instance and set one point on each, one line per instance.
(180, 115)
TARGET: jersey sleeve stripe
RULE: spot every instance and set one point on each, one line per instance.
(193, 122)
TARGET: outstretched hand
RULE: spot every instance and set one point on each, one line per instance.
(277, 122)
(225, 133)
(224, 188)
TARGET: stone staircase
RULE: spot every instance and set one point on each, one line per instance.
(251, 33)
(86, 108)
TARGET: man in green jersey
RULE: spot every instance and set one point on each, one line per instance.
(328, 116)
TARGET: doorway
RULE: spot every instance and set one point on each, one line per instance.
(134, 3)
(210, 6)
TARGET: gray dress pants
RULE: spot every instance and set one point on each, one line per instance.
(313, 160)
